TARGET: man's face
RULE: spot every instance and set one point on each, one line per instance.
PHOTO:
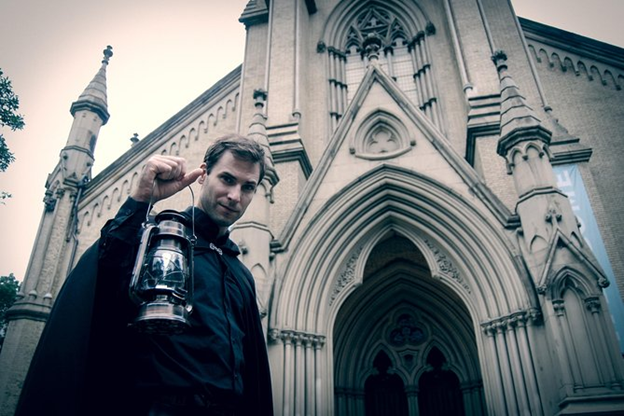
(228, 189)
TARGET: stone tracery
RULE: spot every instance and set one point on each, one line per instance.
(402, 53)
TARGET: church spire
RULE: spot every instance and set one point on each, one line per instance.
(90, 113)
(93, 98)
(57, 237)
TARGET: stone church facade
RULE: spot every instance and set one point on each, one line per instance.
(413, 248)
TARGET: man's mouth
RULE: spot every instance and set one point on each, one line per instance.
(229, 209)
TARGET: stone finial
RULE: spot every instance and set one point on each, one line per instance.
(372, 45)
(257, 128)
(258, 132)
(108, 53)
(499, 58)
(260, 97)
(134, 139)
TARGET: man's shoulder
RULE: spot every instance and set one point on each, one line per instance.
(239, 268)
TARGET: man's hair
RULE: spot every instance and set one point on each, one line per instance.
(242, 148)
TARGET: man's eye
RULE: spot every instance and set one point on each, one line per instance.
(227, 179)
(249, 188)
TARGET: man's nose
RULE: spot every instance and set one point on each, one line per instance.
(234, 193)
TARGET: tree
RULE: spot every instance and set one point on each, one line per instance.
(9, 286)
(9, 104)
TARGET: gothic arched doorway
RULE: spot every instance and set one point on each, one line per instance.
(397, 334)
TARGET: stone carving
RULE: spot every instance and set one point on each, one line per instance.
(593, 304)
(446, 266)
(49, 201)
(381, 136)
(553, 213)
(511, 321)
(288, 336)
(381, 140)
(347, 275)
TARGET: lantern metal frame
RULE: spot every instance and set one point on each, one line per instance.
(164, 308)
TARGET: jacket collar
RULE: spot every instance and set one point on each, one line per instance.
(207, 232)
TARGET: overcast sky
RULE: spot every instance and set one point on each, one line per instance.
(166, 53)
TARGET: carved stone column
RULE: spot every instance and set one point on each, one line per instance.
(606, 365)
(301, 372)
(494, 396)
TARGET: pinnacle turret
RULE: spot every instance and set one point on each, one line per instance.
(548, 224)
(257, 128)
(518, 120)
(93, 98)
(258, 132)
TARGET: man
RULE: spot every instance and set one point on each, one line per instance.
(91, 362)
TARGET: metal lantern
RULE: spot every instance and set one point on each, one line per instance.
(162, 278)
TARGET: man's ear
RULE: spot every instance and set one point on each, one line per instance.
(201, 179)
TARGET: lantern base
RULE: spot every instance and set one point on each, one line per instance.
(162, 318)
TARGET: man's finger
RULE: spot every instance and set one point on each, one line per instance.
(169, 167)
(191, 176)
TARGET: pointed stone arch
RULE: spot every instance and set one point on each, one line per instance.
(413, 17)
(384, 391)
(326, 260)
(393, 198)
(578, 313)
(184, 141)
(193, 134)
(262, 287)
(568, 278)
(400, 298)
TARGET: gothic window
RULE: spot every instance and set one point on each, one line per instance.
(92, 142)
(403, 55)
(394, 60)
(406, 331)
(439, 390)
(384, 393)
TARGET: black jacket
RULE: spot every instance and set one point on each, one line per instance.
(81, 365)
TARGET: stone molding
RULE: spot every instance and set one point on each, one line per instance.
(289, 337)
(512, 321)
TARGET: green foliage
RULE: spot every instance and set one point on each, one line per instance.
(9, 104)
(9, 286)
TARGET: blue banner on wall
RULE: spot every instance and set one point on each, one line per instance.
(570, 182)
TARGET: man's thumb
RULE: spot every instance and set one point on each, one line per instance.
(191, 176)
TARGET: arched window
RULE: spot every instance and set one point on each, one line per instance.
(438, 390)
(395, 59)
(384, 393)
(403, 55)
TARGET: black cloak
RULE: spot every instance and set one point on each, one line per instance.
(79, 367)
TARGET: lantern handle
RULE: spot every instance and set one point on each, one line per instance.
(149, 208)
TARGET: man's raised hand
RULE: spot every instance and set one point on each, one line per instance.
(163, 176)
